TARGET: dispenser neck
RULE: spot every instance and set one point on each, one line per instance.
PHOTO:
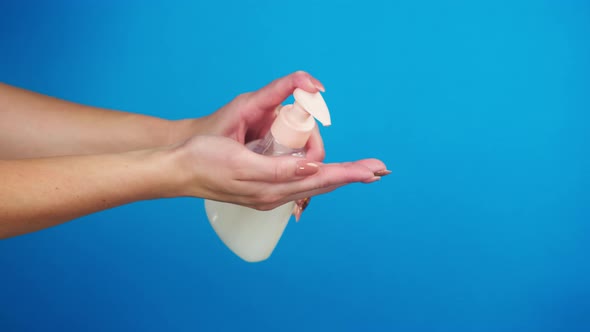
(293, 126)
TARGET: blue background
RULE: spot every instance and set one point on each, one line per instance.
(479, 108)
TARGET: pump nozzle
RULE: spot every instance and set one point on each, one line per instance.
(294, 124)
(314, 105)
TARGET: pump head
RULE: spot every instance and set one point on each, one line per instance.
(294, 124)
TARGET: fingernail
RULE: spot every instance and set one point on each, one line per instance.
(319, 86)
(305, 168)
(297, 212)
(300, 206)
(382, 172)
(373, 179)
(311, 84)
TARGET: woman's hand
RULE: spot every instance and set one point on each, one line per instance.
(249, 116)
(222, 169)
(219, 168)
(102, 159)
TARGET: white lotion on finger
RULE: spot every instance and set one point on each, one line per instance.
(252, 234)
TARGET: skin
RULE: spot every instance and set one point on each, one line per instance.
(60, 160)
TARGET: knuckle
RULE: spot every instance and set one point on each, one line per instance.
(300, 73)
(321, 155)
(323, 183)
(299, 77)
(276, 173)
(268, 198)
(264, 207)
(241, 173)
(281, 171)
(242, 98)
(229, 187)
(265, 199)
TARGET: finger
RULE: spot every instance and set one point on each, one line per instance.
(312, 193)
(372, 164)
(259, 126)
(375, 165)
(276, 169)
(328, 175)
(315, 146)
(280, 89)
(318, 84)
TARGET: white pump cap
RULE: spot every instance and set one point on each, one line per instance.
(294, 124)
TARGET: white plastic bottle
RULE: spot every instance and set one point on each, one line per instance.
(252, 234)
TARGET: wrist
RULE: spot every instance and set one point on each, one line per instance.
(186, 175)
(181, 130)
(167, 177)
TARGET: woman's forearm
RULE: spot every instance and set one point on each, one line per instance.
(40, 193)
(34, 125)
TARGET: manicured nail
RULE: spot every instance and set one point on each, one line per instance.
(313, 83)
(319, 86)
(373, 179)
(300, 206)
(305, 168)
(304, 203)
(382, 172)
(310, 84)
(297, 213)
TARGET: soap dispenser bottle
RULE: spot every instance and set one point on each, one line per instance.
(252, 234)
